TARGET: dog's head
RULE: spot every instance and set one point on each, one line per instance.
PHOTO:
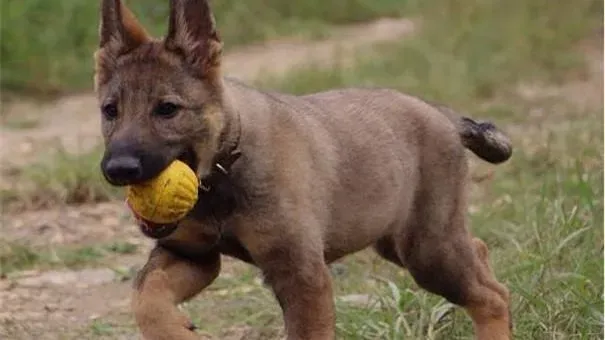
(160, 100)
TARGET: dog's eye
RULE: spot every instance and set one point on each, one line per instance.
(166, 110)
(110, 111)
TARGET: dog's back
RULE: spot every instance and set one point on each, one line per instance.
(355, 159)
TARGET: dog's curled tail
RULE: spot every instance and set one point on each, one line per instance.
(482, 138)
(485, 140)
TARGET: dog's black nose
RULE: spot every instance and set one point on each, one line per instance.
(123, 170)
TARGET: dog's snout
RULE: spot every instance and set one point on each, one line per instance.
(123, 170)
(127, 162)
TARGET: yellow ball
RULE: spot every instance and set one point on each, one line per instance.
(166, 198)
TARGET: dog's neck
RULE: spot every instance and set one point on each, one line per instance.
(217, 197)
(228, 144)
(229, 141)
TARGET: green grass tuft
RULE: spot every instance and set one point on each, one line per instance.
(63, 178)
(14, 256)
(18, 256)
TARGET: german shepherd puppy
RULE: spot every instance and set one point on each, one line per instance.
(287, 183)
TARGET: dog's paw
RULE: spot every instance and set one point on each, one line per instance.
(190, 326)
(186, 322)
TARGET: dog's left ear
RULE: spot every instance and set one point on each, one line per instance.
(192, 34)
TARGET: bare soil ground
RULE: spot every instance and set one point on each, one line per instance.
(68, 304)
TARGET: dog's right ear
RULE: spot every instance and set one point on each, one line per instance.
(119, 33)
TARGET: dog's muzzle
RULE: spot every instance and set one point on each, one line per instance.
(151, 229)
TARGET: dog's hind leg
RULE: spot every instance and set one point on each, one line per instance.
(446, 260)
(164, 282)
(436, 247)
(458, 269)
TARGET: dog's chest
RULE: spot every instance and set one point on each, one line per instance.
(231, 246)
(196, 239)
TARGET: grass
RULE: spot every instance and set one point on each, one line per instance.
(63, 178)
(18, 256)
(47, 47)
(99, 328)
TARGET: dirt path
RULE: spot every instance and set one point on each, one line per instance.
(66, 304)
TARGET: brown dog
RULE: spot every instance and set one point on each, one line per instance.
(288, 183)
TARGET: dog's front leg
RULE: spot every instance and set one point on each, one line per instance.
(301, 282)
(165, 281)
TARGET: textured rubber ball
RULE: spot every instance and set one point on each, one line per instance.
(166, 198)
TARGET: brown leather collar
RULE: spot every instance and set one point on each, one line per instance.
(217, 195)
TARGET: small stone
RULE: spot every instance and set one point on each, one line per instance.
(338, 269)
(44, 227)
(359, 300)
(110, 221)
(26, 147)
(50, 307)
(6, 285)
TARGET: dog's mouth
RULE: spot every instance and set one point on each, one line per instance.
(151, 229)
(161, 230)
(157, 231)
(189, 157)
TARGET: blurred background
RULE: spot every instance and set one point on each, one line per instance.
(69, 249)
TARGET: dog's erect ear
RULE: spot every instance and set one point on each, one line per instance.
(119, 27)
(192, 34)
(119, 33)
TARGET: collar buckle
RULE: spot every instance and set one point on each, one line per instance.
(219, 170)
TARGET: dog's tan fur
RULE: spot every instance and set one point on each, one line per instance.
(320, 176)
